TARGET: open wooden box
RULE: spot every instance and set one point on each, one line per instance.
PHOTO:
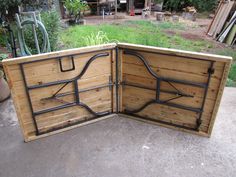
(57, 91)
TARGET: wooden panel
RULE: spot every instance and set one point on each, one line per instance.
(45, 68)
(140, 87)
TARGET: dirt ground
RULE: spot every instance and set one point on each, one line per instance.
(193, 31)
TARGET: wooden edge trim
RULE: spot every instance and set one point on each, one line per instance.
(33, 137)
(175, 52)
(219, 97)
(163, 125)
(121, 45)
(58, 54)
(13, 95)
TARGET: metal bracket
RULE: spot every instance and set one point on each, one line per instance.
(211, 70)
(66, 70)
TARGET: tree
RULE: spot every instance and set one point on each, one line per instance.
(76, 8)
(9, 7)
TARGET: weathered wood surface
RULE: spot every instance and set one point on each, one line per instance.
(175, 64)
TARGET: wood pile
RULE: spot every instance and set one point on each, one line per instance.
(223, 25)
(190, 13)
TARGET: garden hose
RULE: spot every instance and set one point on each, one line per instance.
(24, 49)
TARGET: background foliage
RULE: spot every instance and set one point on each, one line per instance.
(201, 5)
(7, 4)
(76, 8)
(52, 24)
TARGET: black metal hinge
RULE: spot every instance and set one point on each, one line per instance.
(211, 70)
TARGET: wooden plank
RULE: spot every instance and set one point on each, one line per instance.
(57, 54)
(142, 72)
(132, 93)
(151, 83)
(62, 120)
(163, 125)
(175, 52)
(214, 18)
(33, 137)
(219, 96)
(217, 18)
(15, 102)
(188, 66)
(225, 13)
(231, 35)
(35, 76)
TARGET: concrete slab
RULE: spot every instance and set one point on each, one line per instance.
(120, 147)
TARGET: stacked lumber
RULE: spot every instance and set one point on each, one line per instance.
(223, 25)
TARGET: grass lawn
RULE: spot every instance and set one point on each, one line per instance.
(136, 32)
(145, 33)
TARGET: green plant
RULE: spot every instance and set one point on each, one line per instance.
(96, 39)
(8, 8)
(7, 4)
(32, 5)
(51, 21)
(201, 5)
(76, 8)
(52, 24)
(158, 1)
(3, 56)
(2, 37)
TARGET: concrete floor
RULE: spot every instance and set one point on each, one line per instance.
(120, 147)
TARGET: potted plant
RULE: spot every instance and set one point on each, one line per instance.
(76, 9)
(4, 89)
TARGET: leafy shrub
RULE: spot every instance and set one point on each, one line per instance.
(2, 37)
(201, 5)
(3, 56)
(76, 8)
(52, 24)
(10, 6)
(232, 73)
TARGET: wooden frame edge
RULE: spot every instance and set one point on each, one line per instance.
(33, 137)
(24, 133)
(163, 125)
(176, 52)
(219, 97)
(60, 53)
